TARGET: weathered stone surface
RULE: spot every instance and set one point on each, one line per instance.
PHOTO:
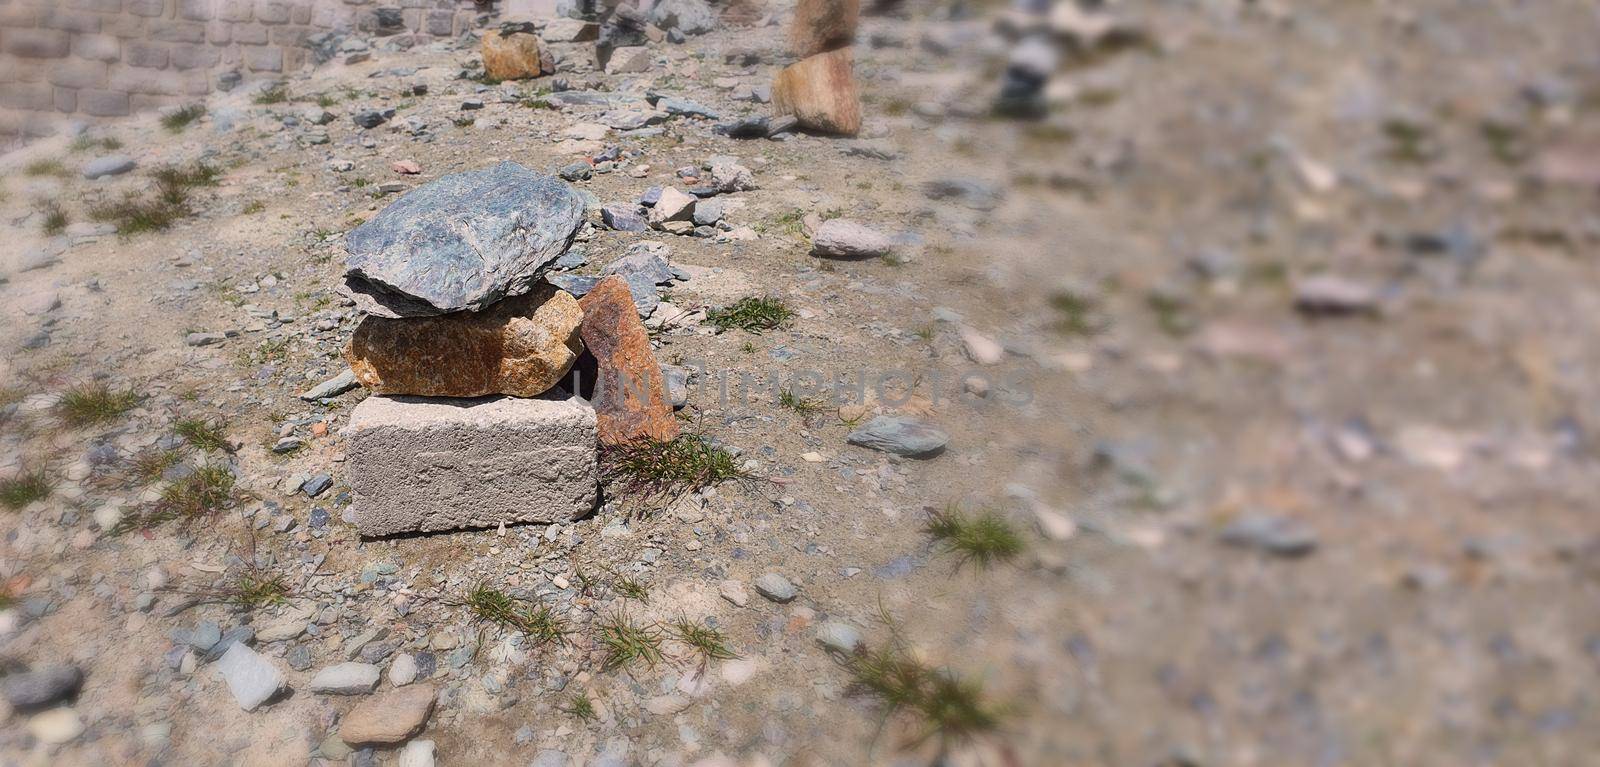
(520, 346)
(421, 465)
(672, 205)
(514, 56)
(461, 242)
(901, 436)
(628, 60)
(251, 678)
(630, 396)
(820, 91)
(388, 718)
(820, 26)
(570, 31)
(110, 165)
(692, 17)
(345, 679)
(840, 238)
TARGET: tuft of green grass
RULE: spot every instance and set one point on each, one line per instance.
(253, 207)
(628, 588)
(55, 218)
(23, 489)
(91, 404)
(627, 642)
(801, 405)
(88, 143)
(1409, 141)
(982, 540)
(254, 589)
(1076, 314)
(326, 100)
(45, 167)
(491, 605)
(10, 395)
(1172, 313)
(277, 94)
(580, 706)
(179, 119)
(708, 643)
(688, 462)
(151, 465)
(204, 492)
(943, 705)
(205, 434)
(753, 314)
(136, 213)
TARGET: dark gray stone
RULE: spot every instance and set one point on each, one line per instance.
(1275, 535)
(647, 265)
(623, 219)
(578, 171)
(41, 688)
(110, 165)
(461, 242)
(901, 436)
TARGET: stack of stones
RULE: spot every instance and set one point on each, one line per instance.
(819, 90)
(463, 345)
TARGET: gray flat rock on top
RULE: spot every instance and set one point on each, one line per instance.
(461, 242)
(346, 679)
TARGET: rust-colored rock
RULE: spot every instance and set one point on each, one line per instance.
(630, 395)
(820, 91)
(514, 56)
(820, 26)
(519, 346)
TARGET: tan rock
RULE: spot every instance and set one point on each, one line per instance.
(519, 346)
(517, 56)
(672, 205)
(630, 396)
(820, 91)
(820, 26)
(389, 717)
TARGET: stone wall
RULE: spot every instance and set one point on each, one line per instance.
(91, 59)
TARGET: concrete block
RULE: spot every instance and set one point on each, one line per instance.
(424, 465)
(264, 58)
(194, 57)
(147, 55)
(195, 10)
(250, 34)
(178, 31)
(147, 8)
(74, 73)
(70, 21)
(272, 11)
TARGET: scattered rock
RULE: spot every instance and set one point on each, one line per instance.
(735, 592)
(1272, 534)
(623, 219)
(110, 165)
(776, 588)
(346, 679)
(56, 726)
(840, 238)
(901, 436)
(672, 205)
(332, 387)
(403, 669)
(251, 678)
(839, 637)
(388, 718)
(40, 688)
(417, 753)
(629, 60)
(1332, 295)
(981, 348)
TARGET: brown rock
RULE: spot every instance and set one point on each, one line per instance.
(516, 56)
(820, 26)
(389, 717)
(820, 91)
(519, 346)
(630, 395)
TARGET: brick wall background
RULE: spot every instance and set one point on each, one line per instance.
(108, 58)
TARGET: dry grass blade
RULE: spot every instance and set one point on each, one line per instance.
(627, 642)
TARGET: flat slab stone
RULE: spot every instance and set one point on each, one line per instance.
(425, 465)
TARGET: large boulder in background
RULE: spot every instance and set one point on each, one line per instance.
(820, 26)
(820, 91)
(520, 346)
(515, 53)
(691, 17)
(461, 242)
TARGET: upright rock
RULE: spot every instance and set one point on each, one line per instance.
(420, 465)
(461, 242)
(513, 52)
(820, 26)
(520, 346)
(630, 394)
(820, 91)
